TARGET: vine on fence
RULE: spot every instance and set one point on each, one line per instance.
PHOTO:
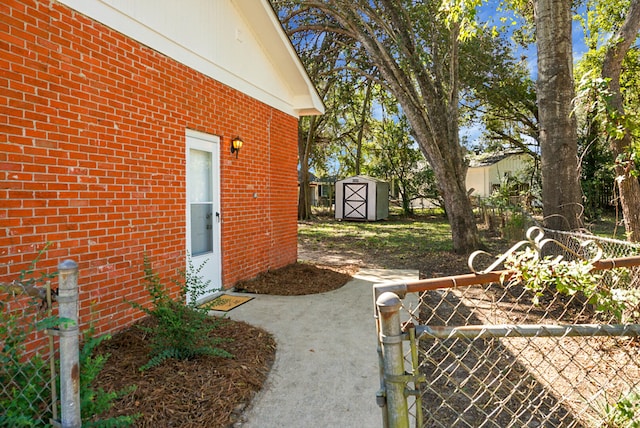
(538, 274)
(624, 413)
(25, 382)
(568, 277)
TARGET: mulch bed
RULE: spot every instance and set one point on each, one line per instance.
(299, 279)
(202, 392)
(206, 391)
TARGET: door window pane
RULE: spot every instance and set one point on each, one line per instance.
(201, 173)
(201, 229)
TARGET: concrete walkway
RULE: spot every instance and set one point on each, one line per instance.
(326, 369)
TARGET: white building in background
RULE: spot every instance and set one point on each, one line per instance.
(488, 170)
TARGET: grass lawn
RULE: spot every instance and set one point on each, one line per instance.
(421, 242)
(608, 226)
(411, 235)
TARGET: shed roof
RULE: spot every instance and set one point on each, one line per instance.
(363, 177)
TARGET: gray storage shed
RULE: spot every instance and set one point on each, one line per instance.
(362, 198)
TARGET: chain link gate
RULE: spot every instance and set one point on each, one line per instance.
(482, 354)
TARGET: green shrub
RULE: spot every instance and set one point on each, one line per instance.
(95, 402)
(25, 386)
(538, 274)
(182, 329)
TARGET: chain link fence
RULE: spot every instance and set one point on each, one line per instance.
(34, 365)
(485, 353)
(26, 396)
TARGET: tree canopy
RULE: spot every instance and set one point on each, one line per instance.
(415, 50)
(444, 69)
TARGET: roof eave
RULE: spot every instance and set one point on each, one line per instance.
(306, 100)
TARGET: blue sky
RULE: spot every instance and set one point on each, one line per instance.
(488, 13)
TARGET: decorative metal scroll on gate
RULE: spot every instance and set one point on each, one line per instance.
(492, 353)
(355, 201)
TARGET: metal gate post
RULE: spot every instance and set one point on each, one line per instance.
(69, 344)
(390, 338)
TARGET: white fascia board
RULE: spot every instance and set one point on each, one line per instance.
(112, 17)
(284, 57)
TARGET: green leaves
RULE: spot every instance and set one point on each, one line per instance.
(54, 322)
(554, 274)
(594, 101)
(94, 402)
(182, 329)
(462, 14)
(624, 413)
(24, 382)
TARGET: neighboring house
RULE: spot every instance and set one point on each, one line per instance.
(321, 190)
(488, 170)
(117, 121)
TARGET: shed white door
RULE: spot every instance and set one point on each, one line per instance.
(203, 207)
(355, 201)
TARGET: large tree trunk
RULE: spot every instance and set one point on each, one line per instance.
(447, 161)
(561, 195)
(611, 69)
(435, 126)
(425, 85)
(365, 113)
(304, 191)
(304, 197)
(460, 214)
(437, 135)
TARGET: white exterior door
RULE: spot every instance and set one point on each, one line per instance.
(203, 207)
(356, 201)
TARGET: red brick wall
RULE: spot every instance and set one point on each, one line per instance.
(92, 159)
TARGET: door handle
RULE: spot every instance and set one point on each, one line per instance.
(218, 216)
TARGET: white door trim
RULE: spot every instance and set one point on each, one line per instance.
(213, 267)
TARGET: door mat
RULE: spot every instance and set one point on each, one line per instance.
(225, 303)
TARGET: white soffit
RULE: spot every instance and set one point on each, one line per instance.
(237, 42)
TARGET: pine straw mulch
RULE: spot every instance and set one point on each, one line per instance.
(207, 391)
(299, 279)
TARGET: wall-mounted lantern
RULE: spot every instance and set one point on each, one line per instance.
(236, 145)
